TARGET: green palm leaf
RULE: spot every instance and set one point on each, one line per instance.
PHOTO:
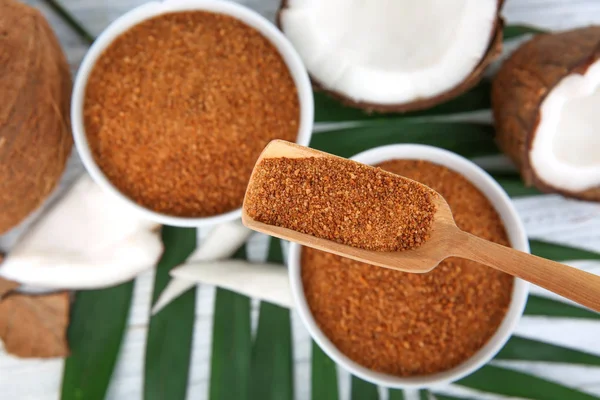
(362, 390)
(523, 349)
(271, 369)
(438, 396)
(271, 372)
(231, 345)
(467, 139)
(324, 382)
(492, 379)
(169, 342)
(545, 307)
(95, 342)
(328, 109)
(395, 394)
(516, 31)
(557, 252)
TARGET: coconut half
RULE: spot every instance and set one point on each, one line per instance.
(398, 55)
(546, 101)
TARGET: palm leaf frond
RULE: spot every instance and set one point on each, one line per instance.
(169, 342)
(231, 344)
(516, 31)
(271, 369)
(362, 390)
(545, 307)
(507, 382)
(98, 322)
(328, 109)
(523, 349)
(467, 139)
(438, 396)
(396, 394)
(324, 381)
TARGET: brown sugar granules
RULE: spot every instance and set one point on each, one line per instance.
(178, 108)
(343, 201)
(413, 324)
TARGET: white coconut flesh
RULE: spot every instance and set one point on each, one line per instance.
(565, 149)
(390, 51)
(88, 240)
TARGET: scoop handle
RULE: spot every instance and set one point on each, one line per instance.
(580, 286)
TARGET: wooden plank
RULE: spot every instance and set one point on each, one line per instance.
(571, 224)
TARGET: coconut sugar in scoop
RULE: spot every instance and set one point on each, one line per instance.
(364, 213)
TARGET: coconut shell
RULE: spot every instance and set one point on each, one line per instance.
(35, 325)
(493, 52)
(522, 84)
(35, 136)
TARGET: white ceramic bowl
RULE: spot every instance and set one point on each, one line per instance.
(150, 10)
(518, 240)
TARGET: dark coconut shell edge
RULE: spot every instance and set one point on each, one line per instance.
(522, 84)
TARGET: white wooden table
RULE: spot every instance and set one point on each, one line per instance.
(546, 217)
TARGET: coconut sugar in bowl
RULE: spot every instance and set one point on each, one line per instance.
(175, 100)
(402, 330)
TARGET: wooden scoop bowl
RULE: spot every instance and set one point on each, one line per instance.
(446, 240)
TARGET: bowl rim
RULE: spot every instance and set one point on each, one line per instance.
(152, 9)
(517, 237)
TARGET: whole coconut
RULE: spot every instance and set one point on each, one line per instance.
(525, 81)
(35, 136)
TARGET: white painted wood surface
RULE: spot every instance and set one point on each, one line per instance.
(547, 217)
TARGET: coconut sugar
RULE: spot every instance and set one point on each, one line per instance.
(409, 324)
(342, 201)
(178, 108)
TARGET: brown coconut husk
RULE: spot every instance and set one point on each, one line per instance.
(35, 135)
(523, 83)
(7, 286)
(35, 325)
(493, 52)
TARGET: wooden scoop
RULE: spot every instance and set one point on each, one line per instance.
(446, 240)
